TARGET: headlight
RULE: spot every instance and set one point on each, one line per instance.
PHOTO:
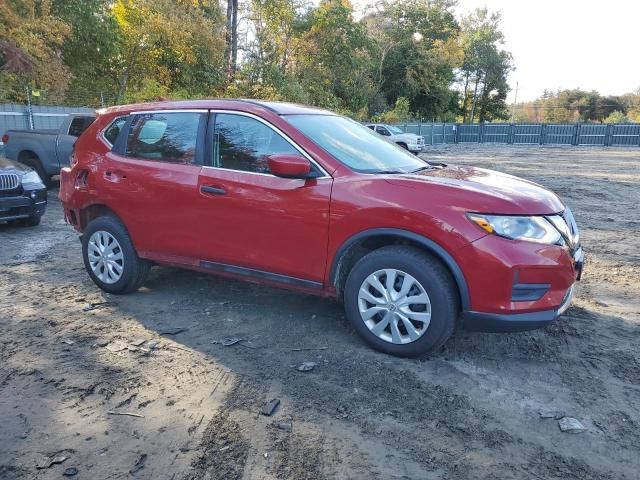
(532, 229)
(31, 177)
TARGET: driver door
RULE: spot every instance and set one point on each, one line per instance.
(254, 223)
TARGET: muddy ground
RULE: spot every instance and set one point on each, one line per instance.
(472, 411)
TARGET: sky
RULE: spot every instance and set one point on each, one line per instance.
(558, 44)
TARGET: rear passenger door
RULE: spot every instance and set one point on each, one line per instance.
(151, 179)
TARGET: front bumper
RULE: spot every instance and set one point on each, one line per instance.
(516, 285)
(31, 203)
(415, 147)
(514, 322)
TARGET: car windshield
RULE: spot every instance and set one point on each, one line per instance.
(355, 145)
(394, 130)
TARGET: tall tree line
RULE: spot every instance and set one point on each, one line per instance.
(572, 106)
(401, 58)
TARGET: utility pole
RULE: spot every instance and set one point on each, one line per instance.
(29, 108)
(515, 101)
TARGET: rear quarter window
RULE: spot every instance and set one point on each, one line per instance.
(111, 133)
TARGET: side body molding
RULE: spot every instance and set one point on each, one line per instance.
(428, 244)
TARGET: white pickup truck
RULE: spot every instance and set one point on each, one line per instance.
(410, 141)
(46, 151)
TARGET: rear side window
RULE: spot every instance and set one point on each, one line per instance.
(113, 130)
(79, 125)
(168, 137)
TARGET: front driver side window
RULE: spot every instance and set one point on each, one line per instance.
(244, 143)
(383, 131)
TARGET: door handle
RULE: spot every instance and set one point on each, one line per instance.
(114, 176)
(211, 190)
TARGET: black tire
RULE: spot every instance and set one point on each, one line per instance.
(33, 161)
(403, 145)
(135, 269)
(32, 221)
(432, 275)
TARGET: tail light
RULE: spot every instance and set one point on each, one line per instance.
(5, 138)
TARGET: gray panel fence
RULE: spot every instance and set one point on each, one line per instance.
(15, 116)
(623, 134)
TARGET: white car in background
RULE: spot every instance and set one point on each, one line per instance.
(409, 141)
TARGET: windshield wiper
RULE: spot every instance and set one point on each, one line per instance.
(395, 172)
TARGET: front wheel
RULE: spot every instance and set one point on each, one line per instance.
(401, 301)
(32, 221)
(110, 258)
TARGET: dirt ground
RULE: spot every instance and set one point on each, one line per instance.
(470, 412)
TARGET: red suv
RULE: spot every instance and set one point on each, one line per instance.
(305, 199)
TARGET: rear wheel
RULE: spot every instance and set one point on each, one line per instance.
(401, 301)
(110, 258)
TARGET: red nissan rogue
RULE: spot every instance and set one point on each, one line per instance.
(302, 198)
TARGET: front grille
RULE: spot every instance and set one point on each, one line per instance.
(9, 181)
(567, 215)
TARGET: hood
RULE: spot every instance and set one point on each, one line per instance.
(6, 164)
(410, 137)
(487, 191)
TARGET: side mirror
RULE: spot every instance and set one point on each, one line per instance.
(289, 166)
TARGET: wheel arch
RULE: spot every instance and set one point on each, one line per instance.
(93, 211)
(27, 154)
(361, 243)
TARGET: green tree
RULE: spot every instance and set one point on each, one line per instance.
(30, 27)
(400, 112)
(90, 50)
(416, 51)
(178, 44)
(272, 52)
(333, 60)
(485, 68)
(580, 106)
(616, 117)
